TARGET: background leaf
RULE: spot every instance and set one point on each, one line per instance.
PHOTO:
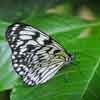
(78, 76)
(93, 90)
(78, 80)
(52, 23)
(18, 10)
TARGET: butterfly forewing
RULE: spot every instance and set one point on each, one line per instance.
(36, 57)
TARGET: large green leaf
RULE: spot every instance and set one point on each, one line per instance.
(58, 23)
(7, 75)
(66, 31)
(92, 91)
(72, 81)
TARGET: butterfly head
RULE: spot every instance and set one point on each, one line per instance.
(62, 56)
(69, 58)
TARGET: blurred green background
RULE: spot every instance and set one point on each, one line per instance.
(75, 24)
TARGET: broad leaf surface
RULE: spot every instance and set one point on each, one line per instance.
(72, 80)
(56, 24)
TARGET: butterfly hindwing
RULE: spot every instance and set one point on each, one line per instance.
(35, 55)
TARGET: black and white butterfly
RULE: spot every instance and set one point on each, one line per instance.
(36, 57)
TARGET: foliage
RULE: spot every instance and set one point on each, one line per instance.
(78, 80)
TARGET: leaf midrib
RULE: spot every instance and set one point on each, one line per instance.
(90, 78)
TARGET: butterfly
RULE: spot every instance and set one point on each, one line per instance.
(36, 57)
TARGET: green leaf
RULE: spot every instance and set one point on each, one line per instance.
(71, 81)
(3, 26)
(66, 31)
(7, 75)
(59, 23)
(78, 76)
(93, 90)
(53, 24)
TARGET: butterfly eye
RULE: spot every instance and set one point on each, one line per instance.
(71, 57)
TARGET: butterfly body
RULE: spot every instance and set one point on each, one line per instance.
(36, 57)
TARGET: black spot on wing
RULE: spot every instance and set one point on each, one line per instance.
(36, 50)
(30, 47)
(47, 42)
(37, 34)
(56, 51)
(47, 51)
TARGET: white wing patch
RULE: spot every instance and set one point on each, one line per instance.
(25, 37)
(26, 33)
(36, 57)
(41, 39)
